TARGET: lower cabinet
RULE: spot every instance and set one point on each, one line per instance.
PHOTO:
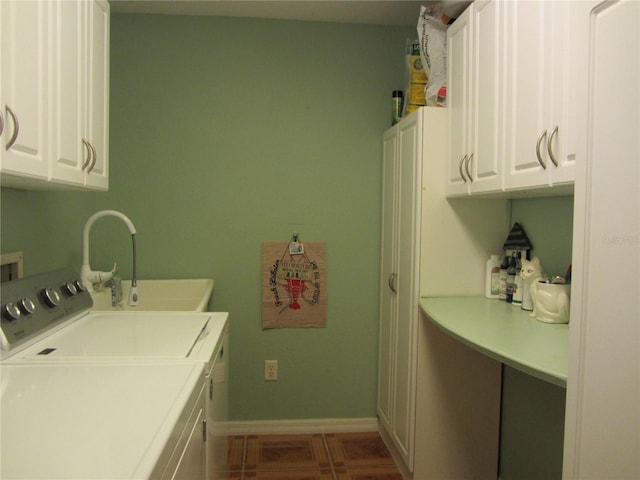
(428, 249)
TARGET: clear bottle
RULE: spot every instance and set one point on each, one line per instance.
(492, 279)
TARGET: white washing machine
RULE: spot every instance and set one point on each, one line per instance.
(167, 368)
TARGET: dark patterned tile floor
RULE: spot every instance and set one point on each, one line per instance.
(331, 456)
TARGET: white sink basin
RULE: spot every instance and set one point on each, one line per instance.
(188, 295)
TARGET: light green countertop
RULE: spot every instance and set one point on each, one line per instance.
(505, 333)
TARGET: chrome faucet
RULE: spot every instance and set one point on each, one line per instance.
(90, 277)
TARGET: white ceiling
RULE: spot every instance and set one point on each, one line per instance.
(376, 12)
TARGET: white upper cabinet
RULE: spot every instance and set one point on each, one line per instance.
(488, 101)
(96, 131)
(540, 145)
(23, 88)
(516, 78)
(72, 79)
(81, 94)
(69, 154)
(459, 101)
(476, 100)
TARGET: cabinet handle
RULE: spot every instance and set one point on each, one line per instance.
(1, 122)
(88, 159)
(94, 155)
(542, 136)
(16, 128)
(462, 160)
(466, 167)
(392, 282)
(549, 149)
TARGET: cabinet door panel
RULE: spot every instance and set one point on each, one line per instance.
(488, 88)
(97, 93)
(24, 83)
(68, 87)
(544, 55)
(527, 47)
(388, 304)
(458, 101)
(602, 415)
(410, 183)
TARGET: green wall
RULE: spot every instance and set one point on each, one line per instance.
(532, 415)
(548, 222)
(229, 132)
(45, 226)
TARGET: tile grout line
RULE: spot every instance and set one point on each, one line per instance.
(244, 455)
(326, 448)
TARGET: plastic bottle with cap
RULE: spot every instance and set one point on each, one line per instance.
(492, 279)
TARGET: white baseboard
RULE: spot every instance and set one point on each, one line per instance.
(321, 425)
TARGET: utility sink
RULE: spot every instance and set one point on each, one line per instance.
(180, 295)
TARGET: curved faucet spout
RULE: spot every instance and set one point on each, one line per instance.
(90, 277)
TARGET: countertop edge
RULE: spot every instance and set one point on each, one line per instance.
(555, 378)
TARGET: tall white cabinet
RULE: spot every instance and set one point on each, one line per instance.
(428, 249)
(602, 426)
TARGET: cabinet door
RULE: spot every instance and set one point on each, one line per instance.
(388, 297)
(80, 100)
(24, 80)
(408, 229)
(536, 83)
(487, 115)
(96, 131)
(68, 60)
(459, 102)
(602, 415)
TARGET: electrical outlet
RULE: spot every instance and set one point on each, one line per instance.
(271, 370)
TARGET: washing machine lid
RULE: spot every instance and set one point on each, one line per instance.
(90, 421)
(149, 336)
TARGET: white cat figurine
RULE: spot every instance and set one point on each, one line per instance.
(531, 273)
(550, 301)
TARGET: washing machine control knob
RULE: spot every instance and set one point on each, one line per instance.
(11, 311)
(70, 289)
(51, 297)
(27, 306)
(79, 286)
